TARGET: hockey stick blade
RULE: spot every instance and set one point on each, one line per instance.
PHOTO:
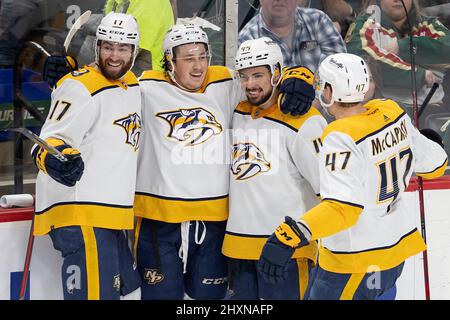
(30, 135)
(37, 45)
(76, 26)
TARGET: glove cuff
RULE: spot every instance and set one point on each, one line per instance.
(298, 72)
(293, 233)
(42, 153)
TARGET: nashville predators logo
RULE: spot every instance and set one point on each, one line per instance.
(192, 126)
(248, 161)
(153, 276)
(132, 125)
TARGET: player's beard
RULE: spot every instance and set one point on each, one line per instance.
(114, 75)
(261, 101)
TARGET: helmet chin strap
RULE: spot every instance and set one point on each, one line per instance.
(325, 105)
(274, 86)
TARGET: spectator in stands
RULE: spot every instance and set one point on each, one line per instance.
(17, 19)
(341, 12)
(306, 36)
(387, 42)
(437, 8)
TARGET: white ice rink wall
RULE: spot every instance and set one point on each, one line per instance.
(46, 262)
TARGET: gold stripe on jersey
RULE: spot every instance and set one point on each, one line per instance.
(95, 81)
(92, 273)
(83, 214)
(351, 286)
(303, 276)
(331, 216)
(176, 210)
(137, 231)
(214, 74)
(250, 247)
(436, 173)
(273, 113)
(384, 258)
(379, 115)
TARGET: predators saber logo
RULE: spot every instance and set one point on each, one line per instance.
(133, 126)
(193, 126)
(248, 161)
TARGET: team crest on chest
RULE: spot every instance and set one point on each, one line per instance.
(133, 126)
(193, 126)
(248, 161)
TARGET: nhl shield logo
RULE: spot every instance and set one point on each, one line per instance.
(133, 126)
(192, 126)
(248, 161)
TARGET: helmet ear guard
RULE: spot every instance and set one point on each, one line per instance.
(348, 76)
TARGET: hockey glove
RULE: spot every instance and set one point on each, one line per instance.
(296, 92)
(56, 67)
(433, 136)
(68, 172)
(279, 248)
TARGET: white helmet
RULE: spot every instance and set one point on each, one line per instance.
(348, 76)
(181, 34)
(118, 27)
(178, 35)
(260, 52)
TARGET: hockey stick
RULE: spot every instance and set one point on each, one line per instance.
(33, 137)
(76, 26)
(37, 45)
(428, 98)
(26, 266)
(58, 155)
(412, 52)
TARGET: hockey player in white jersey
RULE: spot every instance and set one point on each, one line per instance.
(182, 202)
(368, 156)
(183, 169)
(274, 173)
(86, 203)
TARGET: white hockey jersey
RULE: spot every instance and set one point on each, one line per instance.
(274, 173)
(102, 119)
(183, 165)
(365, 165)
